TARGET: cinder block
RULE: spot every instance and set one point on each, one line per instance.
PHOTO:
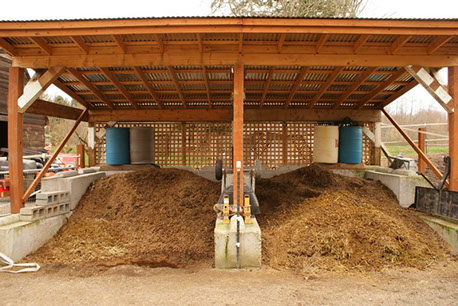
(55, 197)
(32, 213)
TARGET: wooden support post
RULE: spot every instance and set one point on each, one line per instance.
(15, 120)
(421, 146)
(183, 143)
(51, 160)
(237, 129)
(80, 152)
(285, 143)
(377, 143)
(91, 144)
(453, 128)
(414, 146)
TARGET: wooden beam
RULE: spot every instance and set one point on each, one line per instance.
(399, 93)
(81, 156)
(207, 85)
(266, 86)
(79, 41)
(321, 42)
(414, 146)
(352, 88)
(281, 42)
(399, 43)
(148, 86)
(183, 144)
(120, 43)
(159, 42)
(110, 76)
(7, 47)
(453, 128)
(422, 147)
(72, 94)
(51, 109)
(240, 42)
(360, 42)
(225, 115)
(237, 132)
(41, 43)
(325, 86)
(51, 159)
(89, 86)
(432, 86)
(177, 85)
(35, 88)
(437, 43)
(381, 87)
(15, 121)
(199, 42)
(196, 58)
(299, 80)
(284, 145)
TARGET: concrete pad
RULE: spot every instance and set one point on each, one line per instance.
(403, 186)
(225, 244)
(447, 230)
(19, 239)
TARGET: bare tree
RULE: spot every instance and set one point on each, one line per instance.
(290, 8)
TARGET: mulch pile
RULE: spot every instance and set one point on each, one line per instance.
(311, 219)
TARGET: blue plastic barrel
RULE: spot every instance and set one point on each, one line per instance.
(350, 144)
(117, 146)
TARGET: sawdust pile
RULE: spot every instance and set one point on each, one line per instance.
(153, 217)
(314, 219)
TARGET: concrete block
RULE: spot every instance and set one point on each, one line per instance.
(403, 186)
(54, 197)
(19, 239)
(9, 219)
(86, 170)
(32, 213)
(447, 230)
(225, 244)
(66, 173)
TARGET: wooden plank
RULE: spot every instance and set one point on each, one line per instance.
(284, 145)
(352, 88)
(110, 76)
(422, 147)
(195, 58)
(183, 144)
(51, 109)
(297, 83)
(240, 42)
(453, 128)
(199, 42)
(360, 42)
(381, 87)
(399, 93)
(120, 43)
(7, 47)
(225, 115)
(41, 43)
(321, 42)
(177, 85)
(437, 43)
(79, 41)
(414, 146)
(51, 159)
(35, 88)
(325, 86)
(89, 86)
(207, 85)
(237, 131)
(399, 43)
(15, 122)
(148, 86)
(72, 94)
(266, 86)
(281, 42)
(80, 152)
(159, 42)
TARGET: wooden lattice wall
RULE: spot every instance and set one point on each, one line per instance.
(274, 143)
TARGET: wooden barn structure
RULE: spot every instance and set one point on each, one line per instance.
(237, 89)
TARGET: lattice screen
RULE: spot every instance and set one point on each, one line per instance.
(204, 143)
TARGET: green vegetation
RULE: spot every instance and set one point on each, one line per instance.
(407, 151)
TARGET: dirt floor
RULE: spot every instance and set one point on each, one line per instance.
(65, 285)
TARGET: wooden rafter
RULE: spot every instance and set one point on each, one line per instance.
(266, 86)
(207, 85)
(321, 42)
(159, 42)
(148, 86)
(281, 42)
(325, 86)
(399, 43)
(199, 42)
(299, 80)
(72, 94)
(89, 86)
(399, 93)
(437, 43)
(240, 42)
(79, 41)
(110, 76)
(7, 47)
(177, 85)
(360, 42)
(41, 43)
(381, 87)
(355, 86)
(51, 109)
(120, 43)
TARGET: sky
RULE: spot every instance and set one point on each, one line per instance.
(80, 9)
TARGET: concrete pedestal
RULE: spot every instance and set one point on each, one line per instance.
(225, 244)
